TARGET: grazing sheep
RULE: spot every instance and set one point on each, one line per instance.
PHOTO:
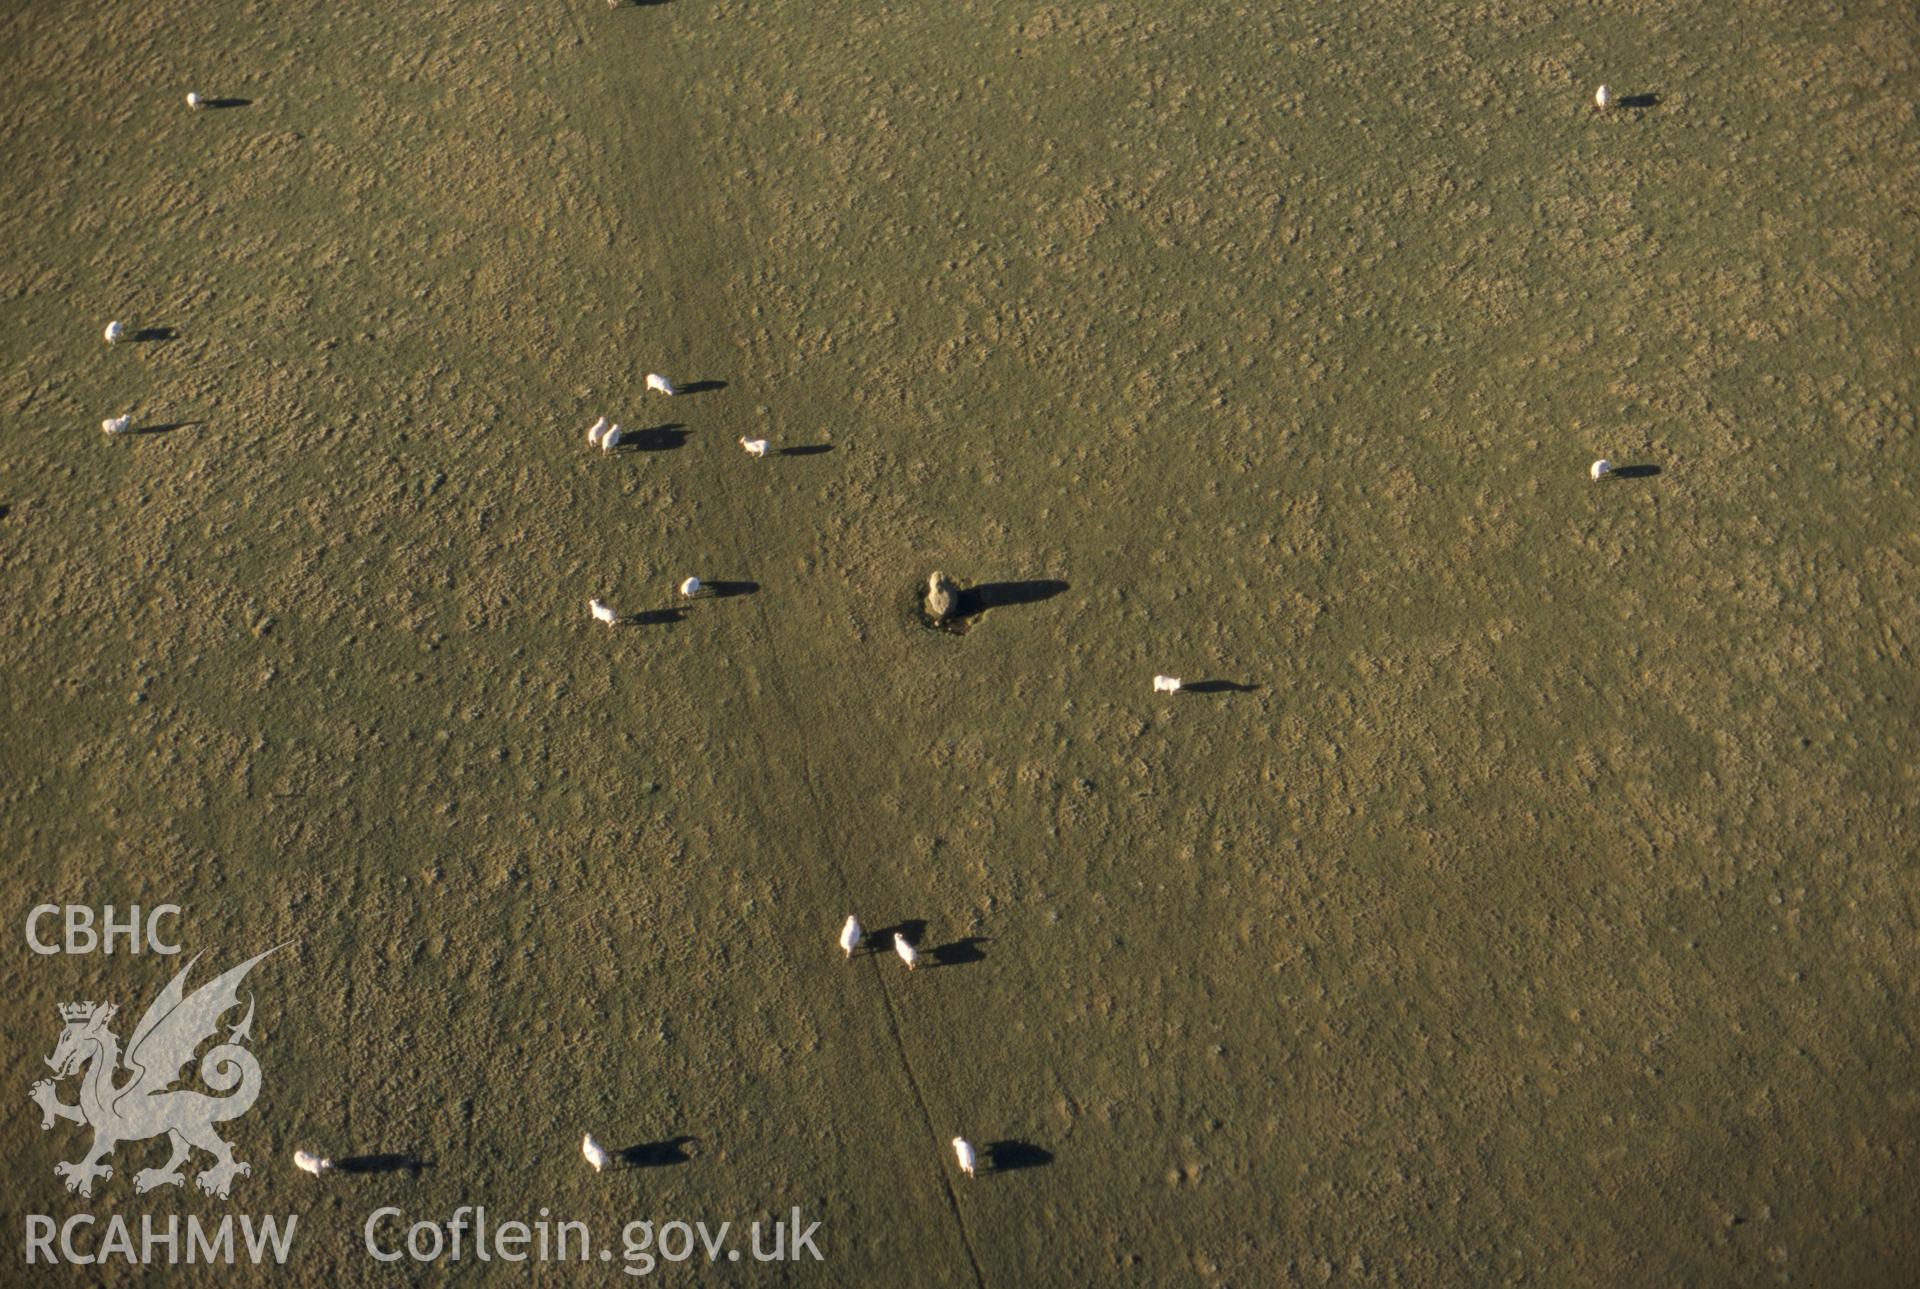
(908, 954)
(594, 431)
(690, 587)
(754, 447)
(311, 1163)
(1602, 99)
(611, 439)
(596, 1154)
(1600, 469)
(658, 382)
(850, 935)
(115, 333)
(117, 424)
(963, 1151)
(194, 101)
(601, 613)
(1166, 684)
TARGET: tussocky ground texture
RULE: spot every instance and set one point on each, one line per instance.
(1524, 887)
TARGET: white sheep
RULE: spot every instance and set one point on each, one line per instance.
(754, 447)
(194, 101)
(595, 1153)
(690, 587)
(602, 613)
(963, 1151)
(117, 424)
(1600, 469)
(311, 1163)
(611, 439)
(594, 431)
(660, 383)
(850, 935)
(1166, 684)
(1602, 98)
(115, 333)
(908, 954)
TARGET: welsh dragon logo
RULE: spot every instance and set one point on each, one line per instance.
(146, 1104)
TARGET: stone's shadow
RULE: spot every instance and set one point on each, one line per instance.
(654, 617)
(1011, 1156)
(699, 387)
(407, 1163)
(656, 1154)
(1635, 471)
(975, 600)
(726, 590)
(147, 335)
(222, 104)
(661, 438)
(1217, 687)
(165, 427)
(960, 952)
(807, 450)
(1640, 101)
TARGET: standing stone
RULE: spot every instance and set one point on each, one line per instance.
(943, 597)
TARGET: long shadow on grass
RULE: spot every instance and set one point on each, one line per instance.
(727, 590)
(661, 438)
(807, 450)
(147, 335)
(1635, 471)
(654, 617)
(699, 387)
(960, 952)
(913, 930)
(1640, 101)
(166, 427)
(223, 103)
(1218, 687)
(976, 600)
(1011, 1156)
(657, 1154)
(407, 1163)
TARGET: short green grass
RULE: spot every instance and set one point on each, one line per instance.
(1545, 911)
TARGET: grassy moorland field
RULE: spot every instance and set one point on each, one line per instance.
(1531, 898)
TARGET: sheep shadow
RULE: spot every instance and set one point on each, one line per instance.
(960, 953)
(976, 600)
(807, 450)
(727, 590)
(1012, 1156)
(656, 1154)
(222, 104)
(165, 427)
(1635, 471)
(149, 335)
(654, 618)
(1640, 101)
(1217, 687)
(699, 387)
(880, 940)
(403, 1163)
(661, 438)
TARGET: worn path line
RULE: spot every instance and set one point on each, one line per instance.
(700, 232)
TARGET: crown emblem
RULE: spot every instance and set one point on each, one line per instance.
(73, 1013)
